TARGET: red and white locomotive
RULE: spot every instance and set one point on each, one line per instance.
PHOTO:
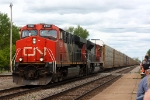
(46, 53)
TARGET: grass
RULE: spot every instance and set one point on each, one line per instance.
(3, 71)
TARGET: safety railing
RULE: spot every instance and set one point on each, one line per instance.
(53, 59)
(14, 57)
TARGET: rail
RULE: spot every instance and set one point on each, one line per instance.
(78, 92)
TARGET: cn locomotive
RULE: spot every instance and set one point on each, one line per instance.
(46, 53)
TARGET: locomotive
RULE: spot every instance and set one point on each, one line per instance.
(46, 53)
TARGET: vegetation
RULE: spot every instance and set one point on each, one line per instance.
(5, 40)
(79, 31)
(148, 52)
(137, 59)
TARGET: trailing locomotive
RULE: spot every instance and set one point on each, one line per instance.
(46, 53)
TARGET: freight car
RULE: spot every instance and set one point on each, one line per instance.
(46, 53)
(111, 58)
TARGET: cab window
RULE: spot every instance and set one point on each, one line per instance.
(48, 33)
(26, 33)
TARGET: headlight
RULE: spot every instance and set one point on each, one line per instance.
(34, 40)
(20, 59)
(41, 59)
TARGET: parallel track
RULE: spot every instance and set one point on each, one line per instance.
(14, 92)
(79, 92)
(5, 75)
(18, 91)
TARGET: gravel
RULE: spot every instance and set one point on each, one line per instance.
(6, 83)
(48, 92)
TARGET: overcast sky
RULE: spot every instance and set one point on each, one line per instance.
(121, 24)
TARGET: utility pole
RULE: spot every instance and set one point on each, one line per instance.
(11, 37)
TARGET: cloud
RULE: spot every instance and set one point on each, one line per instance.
(123, 25)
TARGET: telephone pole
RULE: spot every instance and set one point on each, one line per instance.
(11, 37)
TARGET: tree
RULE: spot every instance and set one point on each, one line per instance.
(4, 30)
(137, 59)
(2, 59)
(148, 52)
(79, 31)
(5, 40)
(70, 29)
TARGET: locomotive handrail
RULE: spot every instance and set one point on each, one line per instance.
(53, 58)
(87, 57)
(14, 58)
(50, 54)
(84, 54)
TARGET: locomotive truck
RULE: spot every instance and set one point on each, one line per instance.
(46, 53)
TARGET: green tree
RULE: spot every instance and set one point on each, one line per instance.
(137, 59)
(70, 29)
(4, 30)
(5, 40)
(148, 52)
(79, 31)
(2, 60)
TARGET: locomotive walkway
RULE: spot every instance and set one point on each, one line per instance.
(123, 89)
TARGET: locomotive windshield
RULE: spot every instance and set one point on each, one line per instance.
(26, 33)
(48, 33)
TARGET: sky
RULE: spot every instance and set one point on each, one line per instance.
(122, 24)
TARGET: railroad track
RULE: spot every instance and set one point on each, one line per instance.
(20, 91)
(13, 91)
(125, 70)
(81, 91)
(5, 75)
(77, 92)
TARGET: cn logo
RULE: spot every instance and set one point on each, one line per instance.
(35, 49)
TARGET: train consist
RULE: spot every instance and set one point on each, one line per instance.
(46, 53)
